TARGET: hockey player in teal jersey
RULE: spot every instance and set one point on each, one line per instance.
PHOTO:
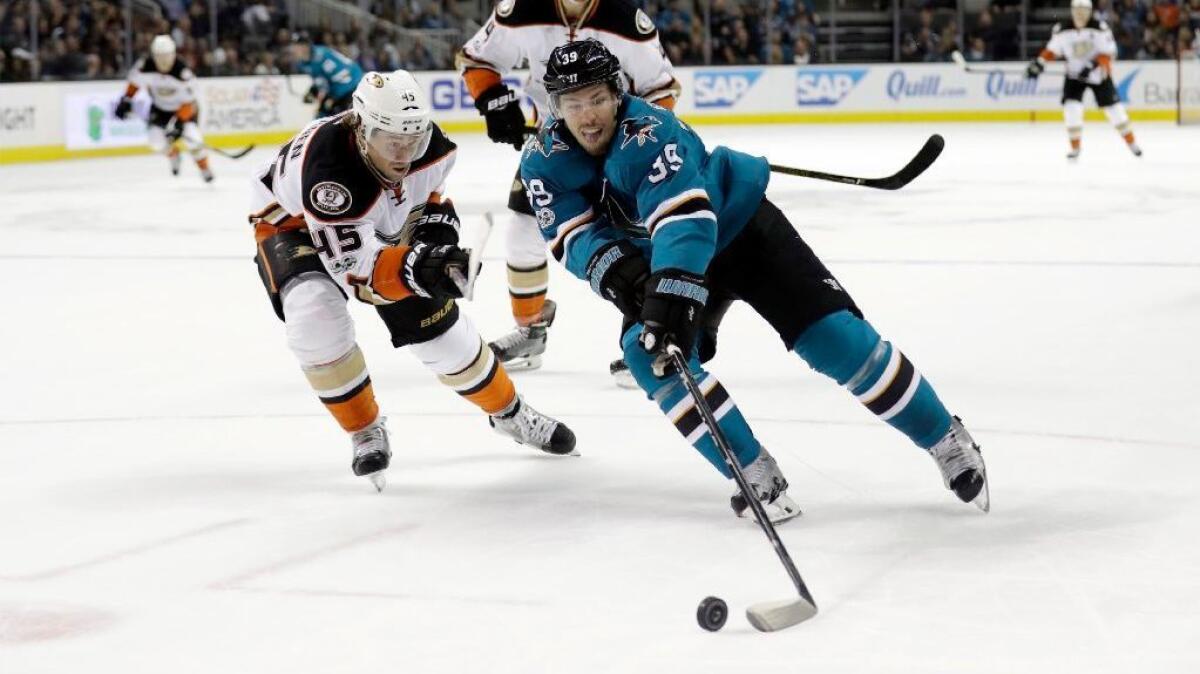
(334, 75)
(632, 202)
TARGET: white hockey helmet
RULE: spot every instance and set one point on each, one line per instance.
(1081, 11)
(162, 50)
(393, 120)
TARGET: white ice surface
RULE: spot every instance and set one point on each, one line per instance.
(173, 498)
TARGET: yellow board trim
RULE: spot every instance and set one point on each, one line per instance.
(13, 155)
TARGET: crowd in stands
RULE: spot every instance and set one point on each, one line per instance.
(86, 39)
(1144, 29)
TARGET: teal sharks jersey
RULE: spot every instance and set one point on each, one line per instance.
(687, 203)
(333, 73)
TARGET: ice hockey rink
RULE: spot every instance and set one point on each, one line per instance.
(173, 497)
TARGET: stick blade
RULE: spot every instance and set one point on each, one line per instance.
(924, 158)
(772, 616)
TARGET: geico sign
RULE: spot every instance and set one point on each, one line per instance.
(452, 93)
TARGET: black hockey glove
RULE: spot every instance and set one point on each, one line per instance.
(706, 340)
(311, 95)
(1034, 69)
(427, 270)
(501, 109)
(672, 310)
(1087, 70)
(438, 225)
(124, 106)
(618, 272)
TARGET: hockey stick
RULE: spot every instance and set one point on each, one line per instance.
(961, 62)
(466, 282)
(767, 616)
(915, 167)
(232, 155)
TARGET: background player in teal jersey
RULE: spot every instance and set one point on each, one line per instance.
(632, 202)
(334, 75)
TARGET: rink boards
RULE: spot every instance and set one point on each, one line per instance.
(47, 121)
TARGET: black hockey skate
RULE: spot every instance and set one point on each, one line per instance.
(621, 374)
(961, 462)
(522, 348)
(530, 427)
(768, 482)
(372, 453)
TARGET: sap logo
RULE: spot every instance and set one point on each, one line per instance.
(826, 86)
(452, 94)
(723, 88)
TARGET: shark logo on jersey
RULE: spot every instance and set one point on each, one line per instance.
(640, 129)
(330, 198)
(547, 143)
(545, 217)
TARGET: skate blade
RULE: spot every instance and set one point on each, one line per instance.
(771, 616)
(378, 480)
(781, 510)
(624, 379)
(983, 500)
(523, 364)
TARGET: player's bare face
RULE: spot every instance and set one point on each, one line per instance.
(591, 116)
(392, 154)
(1080, 16)
(163, 62)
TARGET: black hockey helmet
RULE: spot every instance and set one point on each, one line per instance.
(302, 37)
(576, 65)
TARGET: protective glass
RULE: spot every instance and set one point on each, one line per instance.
(401, 148)
(575, 104)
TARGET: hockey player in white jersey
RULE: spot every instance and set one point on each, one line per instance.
(1089, 49)
(174, 114)
(354, 206)
(525, 31)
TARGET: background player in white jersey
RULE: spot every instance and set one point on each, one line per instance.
(1089, 49)
(525, 31)
(174, 113)
(354, 206)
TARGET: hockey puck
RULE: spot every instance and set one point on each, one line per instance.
(711, 613)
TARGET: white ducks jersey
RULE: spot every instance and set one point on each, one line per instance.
(521, 31)
(1091, 46)
(320, 177)
(168, 91)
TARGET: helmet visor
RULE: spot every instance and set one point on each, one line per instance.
(399, 148)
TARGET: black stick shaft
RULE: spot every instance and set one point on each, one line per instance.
(760, 514)
(922, 160)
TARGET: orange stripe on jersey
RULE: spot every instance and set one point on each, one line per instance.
(1105, 61)
(186, 113)
(480, 80)
(667, 102)
(385, 278)
(1046, 55)
(497, 394)
(356, 413)
(130, 90)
